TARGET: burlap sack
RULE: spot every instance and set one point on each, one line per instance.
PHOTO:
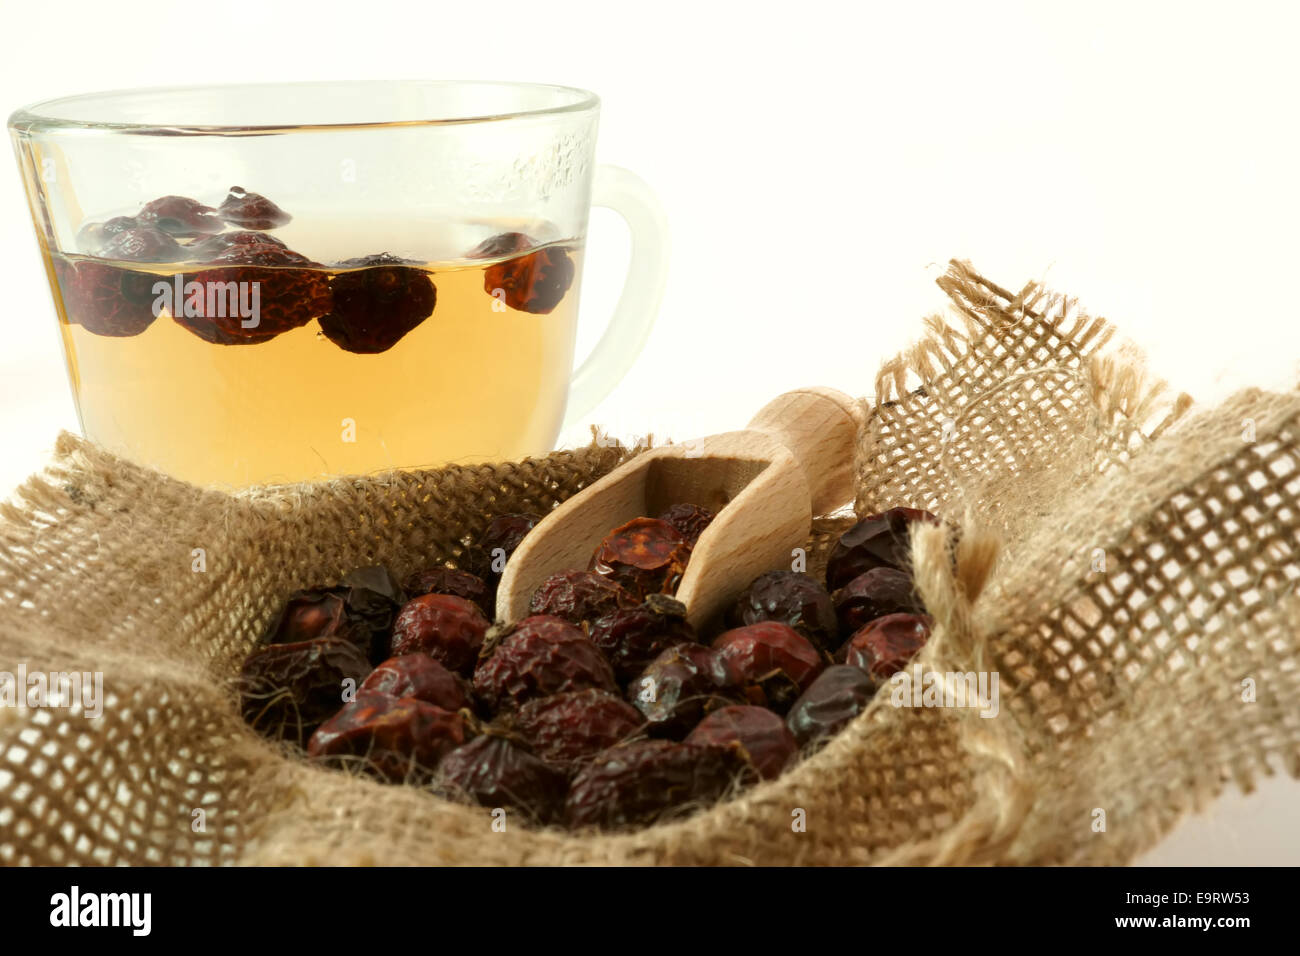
(1129, 571)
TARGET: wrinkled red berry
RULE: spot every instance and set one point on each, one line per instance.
(251, 211)
(288, 690)
(494, 771)
(645, 781)
(632, 637)
(689, 520)
(644, 556)
(884, 646)
(374, 308)
(105, 299)
(880, 540)
(447, 628)
(772, 661)
(838, 695)
(462, 584)
(360, 610)
(760, 736)
(142, 244)
(502, 244)
(566, 729)
(418, 676)
(680, 686)
(874, 594)
(285, 298)
(534, 282)
(542, 655)
(578, 596)
(790, 598)
(180, 216)
(488, 556)
(399, 739)
(205, 249)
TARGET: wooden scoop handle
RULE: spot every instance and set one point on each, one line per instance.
(820, 428)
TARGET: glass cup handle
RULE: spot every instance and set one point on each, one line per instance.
(647, 273)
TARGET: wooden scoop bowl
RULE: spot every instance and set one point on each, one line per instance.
(794, 461)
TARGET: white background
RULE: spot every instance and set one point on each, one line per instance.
(819, 164)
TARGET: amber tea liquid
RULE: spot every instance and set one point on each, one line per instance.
(477, 380)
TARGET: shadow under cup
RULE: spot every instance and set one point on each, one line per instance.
(269, 284)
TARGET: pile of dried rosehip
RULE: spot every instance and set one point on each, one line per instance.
(604, 707)
(363, 305)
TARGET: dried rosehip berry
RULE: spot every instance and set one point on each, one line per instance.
(376, 259)
(773, 662)
(142, 244)
(884, 646)
(119, 224)
(542, 655)
(645, 781)
(566, 729)
(180, 216)
(534, 282)
(450, 581)
(205, 249)
(418, 676)
(689, 520)
(880, 540)
(632, 637)
(791, 598)
(251, 210)
(285, 298)
(495, 771)
(838, 695)
(488, 556)
(360, 610)
(399, 739)
(644, 556)
(874, 594)
(288, 690)
(374, 308)
(502, 244)
(760, 736)
(447, 628)
(578, 596)
(680, 686)
(105, 299)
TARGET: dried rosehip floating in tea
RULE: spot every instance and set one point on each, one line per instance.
(644, 556)
(884, 646)
(760, 737)
(878, 541)
(689, 520)
(502, 244)
(105, 299)
(680, 686)
(142, 244)
(251, 211)
(790, 598)
(838, 695)
(488, 557)
(632, 637)
(495, 771)
(578, 596)
(376, 259)
(643, 781)
(462, 584)
(534, 282)
(447, 628)
(566, 729)
(180, 216)
(288, 690)
(418, 676)
(205, 249)
(400, 739)
(542, 655)
(374, 308)
(773, 661)
(245, 305)
(874, 594)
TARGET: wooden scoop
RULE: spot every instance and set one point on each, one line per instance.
(794, 461)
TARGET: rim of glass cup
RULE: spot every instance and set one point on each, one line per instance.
(43, 116)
